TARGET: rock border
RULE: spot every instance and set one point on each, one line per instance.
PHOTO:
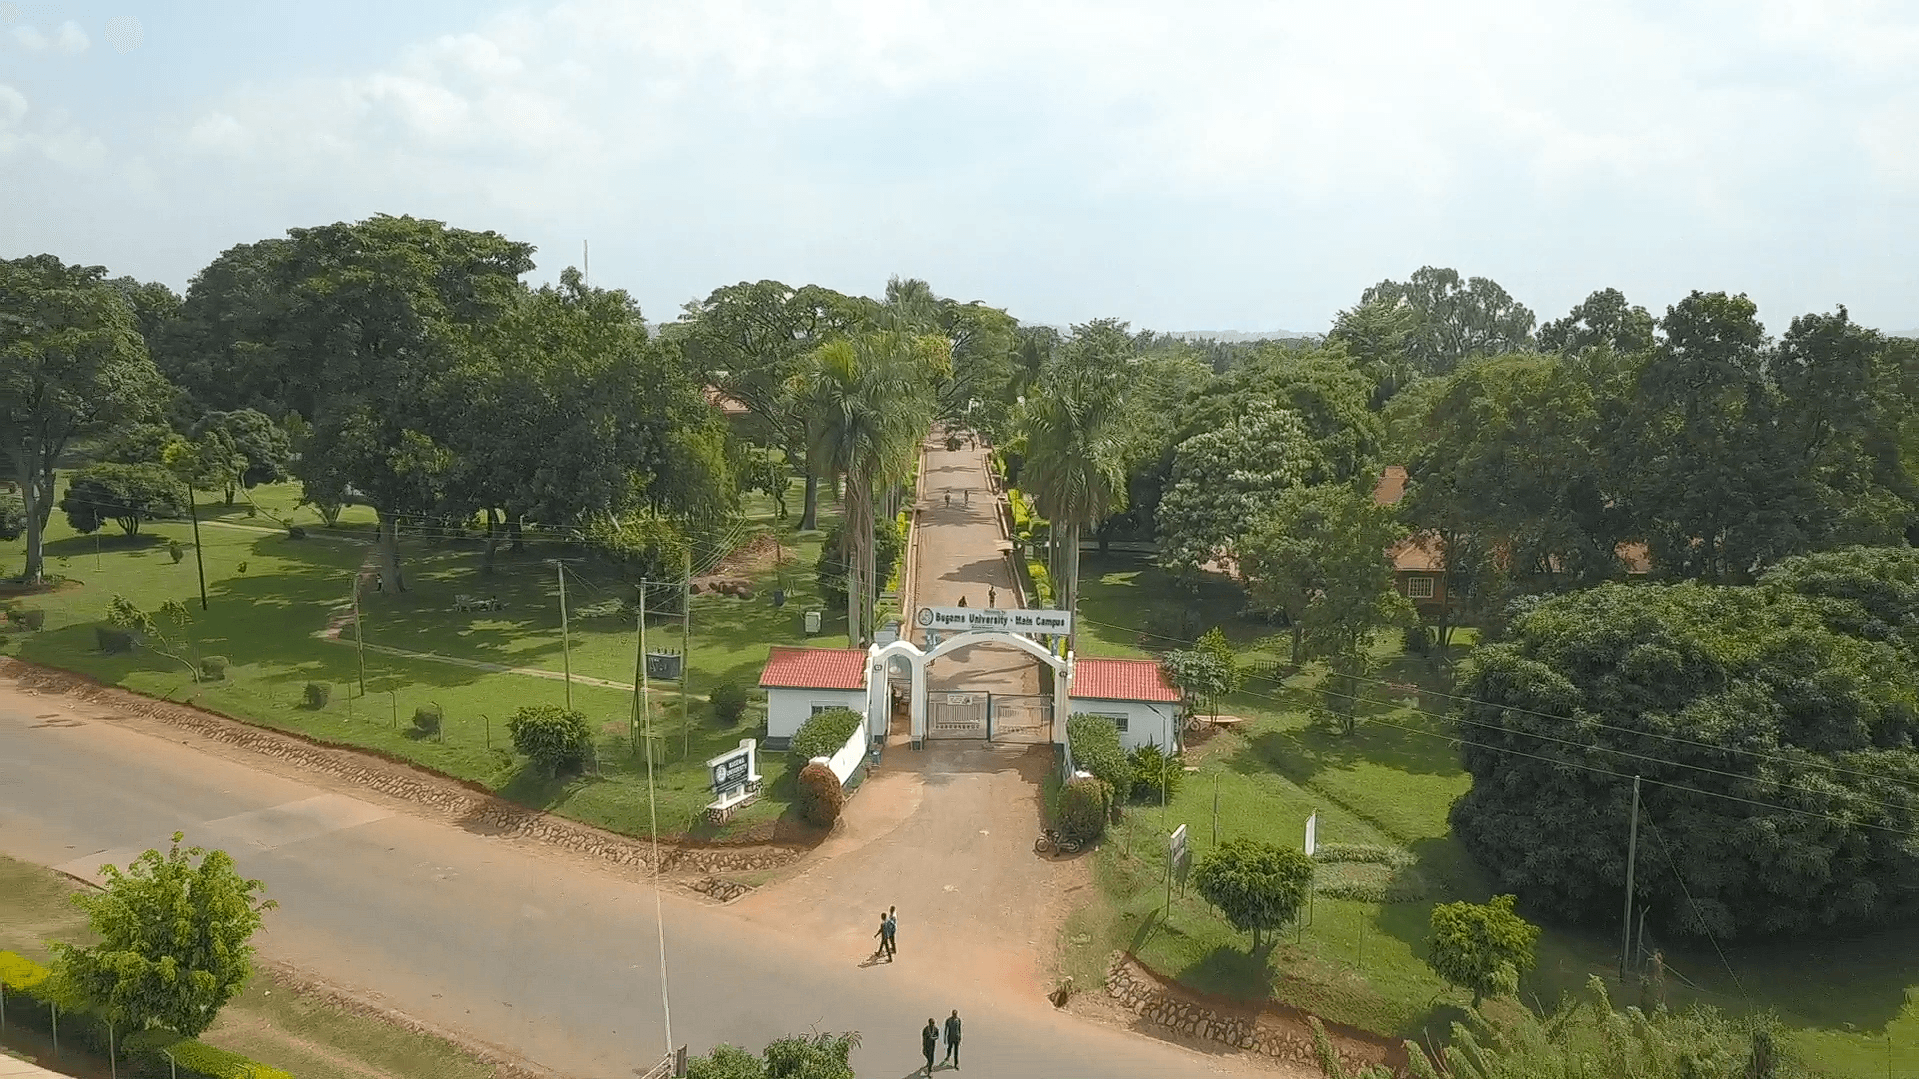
(1282, 1035)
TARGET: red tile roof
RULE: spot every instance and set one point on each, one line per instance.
(1120, 680)
(815, 668)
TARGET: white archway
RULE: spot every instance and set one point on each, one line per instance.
(917, 659)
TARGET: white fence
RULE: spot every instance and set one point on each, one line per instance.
(848, 758)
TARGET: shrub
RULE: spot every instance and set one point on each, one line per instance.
(33, 618)
(176, 550)
(824, 734)
(1152, 767)
(127, 495)
(214, 668)
(557, 739)
(426, 719)
(1259, 887)
(113, 640)
(297, 532)
(1417, 639)
(1094, 741)
(1082, 808)
(820, 795)
(318, 693)
(729, 702)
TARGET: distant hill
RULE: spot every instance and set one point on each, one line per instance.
(1903, 333)
(1234, 337)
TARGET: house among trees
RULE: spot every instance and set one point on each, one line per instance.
(1419, 560)
(1133, 693)
(801, 682)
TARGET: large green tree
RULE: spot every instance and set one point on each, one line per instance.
(1482, 948)
(127, 495)
(1259, 887)
(222, 347)
(1603, 318)
(262, 444)
(1453, 318)
(175, 940)
(1224, 481)
(1781, 778)
(1322, 556)
(72, 362)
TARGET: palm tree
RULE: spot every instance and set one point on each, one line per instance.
(1074, 469)
(869, 402)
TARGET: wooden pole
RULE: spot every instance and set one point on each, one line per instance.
(359, 633)
(686, 652)
(1632, 856)
(566, 641)
(639, 667)
(199, 564)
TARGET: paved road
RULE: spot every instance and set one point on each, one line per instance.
(523, 949)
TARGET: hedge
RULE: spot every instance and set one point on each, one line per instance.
(23, 980)
(825, 734)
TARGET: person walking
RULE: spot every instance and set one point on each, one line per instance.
(968, 494)
(962, 601)
(929, 1041)
(892, 933)
(952, 1038)
(885, 935)
(949, 500)
(992, 597)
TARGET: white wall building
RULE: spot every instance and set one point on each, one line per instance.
(801, 681)
(1130, 692)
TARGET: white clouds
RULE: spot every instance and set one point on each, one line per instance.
(66, 40)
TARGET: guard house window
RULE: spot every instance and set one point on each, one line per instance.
(826, 706)
(1118, 719)
(1419, 587)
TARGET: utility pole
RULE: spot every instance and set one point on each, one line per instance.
(193, 511)
(1632, 855)
(639, 668)
(566, 641)
(686, 652)
(645, 684)
(359, 635)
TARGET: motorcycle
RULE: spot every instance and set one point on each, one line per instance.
(1051, 841)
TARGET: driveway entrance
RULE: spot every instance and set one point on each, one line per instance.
(1019, 717)
(957, 715)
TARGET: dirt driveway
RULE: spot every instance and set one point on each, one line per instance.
(946, 835)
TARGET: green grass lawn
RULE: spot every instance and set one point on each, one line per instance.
(268, 595)
(1392, 782)
(268, 1021)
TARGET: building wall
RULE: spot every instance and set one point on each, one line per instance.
(1403, 580)
(786, 709)
(1146, 721)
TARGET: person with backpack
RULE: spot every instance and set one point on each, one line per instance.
(953, 1038)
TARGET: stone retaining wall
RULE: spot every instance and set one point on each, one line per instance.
(1280, 1037)
(474, 809)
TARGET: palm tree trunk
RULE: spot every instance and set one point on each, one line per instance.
(855, 560)
(873, 584)
(1072, 580)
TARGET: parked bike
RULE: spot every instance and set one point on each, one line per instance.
(1051, 841)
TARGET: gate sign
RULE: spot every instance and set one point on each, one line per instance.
(994, 620)
(962, 700)
(734, 768)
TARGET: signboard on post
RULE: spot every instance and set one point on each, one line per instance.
(994, 620)
(734, 772)
(1176, 844)
(1312, 833)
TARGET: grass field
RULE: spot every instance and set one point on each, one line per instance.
(268, 1022)
(268, 595)
(1392, 783)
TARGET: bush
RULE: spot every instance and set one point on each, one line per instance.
(1482, 949)
(176, 550)
(214, 668)
(824, 734)
(820, 795)
(1418, 639)
(296, 532)
(426, 719)
(557, 739)
(1082, 809)
(127, 495)
(1151, 767)
(1094, 742)
(33, 618)
(113, 640)
(318, 693)
(889, 543)
(1259, 887)
(729, 702)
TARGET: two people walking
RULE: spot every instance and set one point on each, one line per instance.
(929, 1041)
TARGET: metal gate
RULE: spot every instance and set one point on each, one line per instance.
(956, 715)
(1018, 717)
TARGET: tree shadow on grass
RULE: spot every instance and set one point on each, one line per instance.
(114, 542)
(1300, 753)
(1234, 972)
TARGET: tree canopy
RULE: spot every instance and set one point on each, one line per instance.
(1258, 887)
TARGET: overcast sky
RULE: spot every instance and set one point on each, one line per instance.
(1226, 166)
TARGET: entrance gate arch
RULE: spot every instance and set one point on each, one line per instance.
(918, 658)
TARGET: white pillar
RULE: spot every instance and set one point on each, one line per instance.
(1062, 694)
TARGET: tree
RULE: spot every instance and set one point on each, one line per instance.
(13, 516)
(1094, 744)
(1259, 887)
(796, 1056)
(1454, 319)
(1323, 557)
(833, 570)
(175, 940)
(124, 494)
(1777, 752)
(1224, 482)
(1481, 948)
(71, 362)
(375, 317)
(1378, 335)
(1603, 318)
(1871, 593)
(263, 446)
(869, 400)
(223, 347)
(167, 631)
(557, 739)
(211, 462)
(138, 444)
(1329, 393)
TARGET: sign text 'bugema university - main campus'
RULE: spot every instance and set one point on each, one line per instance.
(992, 620)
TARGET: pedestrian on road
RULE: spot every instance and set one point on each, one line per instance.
(962, 601)
(952, 1038)
(929, 1041)
(949, 500)
(968, 493)
(892, 933)
(992, 597)
(885, 935)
